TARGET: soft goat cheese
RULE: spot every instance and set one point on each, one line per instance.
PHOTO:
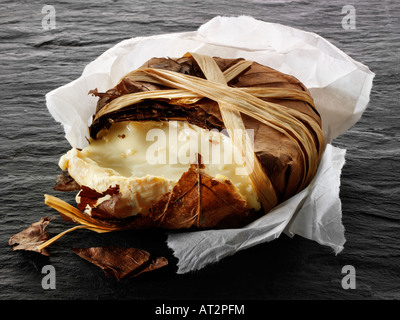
(147, 158)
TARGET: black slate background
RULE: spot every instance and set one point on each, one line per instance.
(33, 61)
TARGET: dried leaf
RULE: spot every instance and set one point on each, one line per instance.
(118, 262)
(198, 200)
(72, 214)
(66, 183)
(90, 197)
(32, 237)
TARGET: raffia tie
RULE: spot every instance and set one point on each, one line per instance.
(232, 102)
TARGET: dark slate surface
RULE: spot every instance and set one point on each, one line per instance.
(34, 61)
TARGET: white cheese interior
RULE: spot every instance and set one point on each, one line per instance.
(146, 158)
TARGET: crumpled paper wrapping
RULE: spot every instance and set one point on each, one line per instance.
(339, 85)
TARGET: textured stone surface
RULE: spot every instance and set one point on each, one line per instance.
(34, 61)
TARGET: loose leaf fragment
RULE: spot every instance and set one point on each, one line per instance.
(118, 262)
(32, 237)
(66, 183)
(90, 196)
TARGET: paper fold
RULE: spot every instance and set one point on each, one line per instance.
(340, 88)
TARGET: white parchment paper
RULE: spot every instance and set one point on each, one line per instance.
(339, 85)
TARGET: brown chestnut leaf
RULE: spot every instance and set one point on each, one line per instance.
(118, 262)
(65, 182)
(90, 196)
(200, 201)
(32, 237)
